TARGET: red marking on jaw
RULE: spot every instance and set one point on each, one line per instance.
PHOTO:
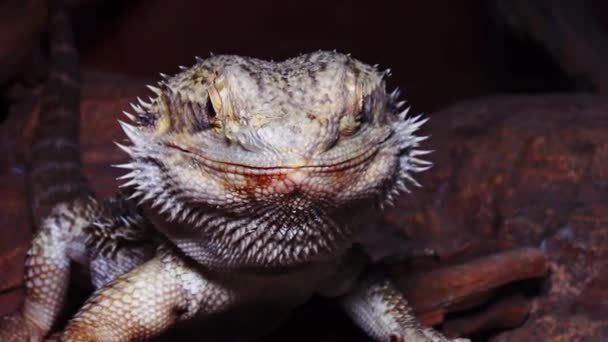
(278, 183)
(255, 181)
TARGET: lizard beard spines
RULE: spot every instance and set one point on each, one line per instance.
(148, 178)
(150, 182)
(407, 144)
(268, 236)
(275, 235)
(144, 115)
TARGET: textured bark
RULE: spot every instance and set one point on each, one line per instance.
(462, 286)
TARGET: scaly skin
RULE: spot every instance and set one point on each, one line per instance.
(248, 182)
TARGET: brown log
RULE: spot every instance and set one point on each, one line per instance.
(462, 286)
(505, 314)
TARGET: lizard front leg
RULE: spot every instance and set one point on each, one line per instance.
(382, 312)
(47, 269)
(146, 301)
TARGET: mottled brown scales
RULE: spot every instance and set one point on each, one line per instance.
(247, 186)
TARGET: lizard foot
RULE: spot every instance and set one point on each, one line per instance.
(422, 335)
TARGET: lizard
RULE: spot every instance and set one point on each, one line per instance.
(247, 186)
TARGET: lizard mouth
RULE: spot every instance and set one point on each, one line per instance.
(311, 166)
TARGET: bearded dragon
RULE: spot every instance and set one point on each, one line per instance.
(248, 185)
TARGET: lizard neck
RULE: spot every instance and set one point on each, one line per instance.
(274, 237)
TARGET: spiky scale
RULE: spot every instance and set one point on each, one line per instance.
(129, 175)
(125, 148)
(127, 166)
(395, 94)
(132, 133)
(421, 138)
(154, 89)
(412, 180)
(403, 114)
(143, 103)
(421, 168)
(137, 108)
(128, 184)
(129, 116)
(420, 152)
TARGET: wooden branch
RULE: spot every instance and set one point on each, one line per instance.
(460, 287)
(506, 313)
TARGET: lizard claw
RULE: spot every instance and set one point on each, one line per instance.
(423, 335)
(433, 335)
(15, 328)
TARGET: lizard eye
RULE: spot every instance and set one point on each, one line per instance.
(350, 124)
(214, 105)
(362, 112)
(210, 110)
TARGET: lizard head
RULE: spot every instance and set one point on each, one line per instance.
(234, 133)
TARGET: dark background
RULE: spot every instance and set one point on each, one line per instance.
(439, 51)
